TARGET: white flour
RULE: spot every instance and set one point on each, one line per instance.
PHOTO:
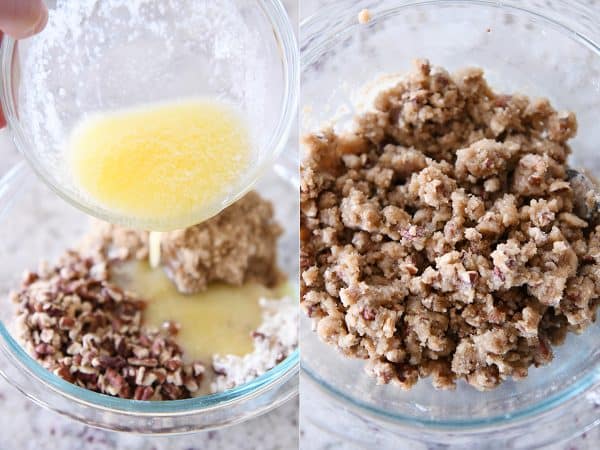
(274, 340)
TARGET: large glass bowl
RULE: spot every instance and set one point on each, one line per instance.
(538, 48)
(104, 56)
(35, 224)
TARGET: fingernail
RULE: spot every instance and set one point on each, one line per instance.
(42, 21)
(39, 24)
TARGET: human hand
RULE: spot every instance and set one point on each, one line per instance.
(20, 19)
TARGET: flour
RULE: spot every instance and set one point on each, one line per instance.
(274, 340)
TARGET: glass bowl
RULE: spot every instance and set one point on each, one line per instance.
(115, 54)
(538, 48)
(35, 224)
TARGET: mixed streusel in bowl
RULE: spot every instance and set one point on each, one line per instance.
(445, 249)
(78, 339)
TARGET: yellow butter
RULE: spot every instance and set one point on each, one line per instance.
(218, 320)
(165, 164)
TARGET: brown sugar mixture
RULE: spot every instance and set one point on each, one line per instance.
(440, 237)
(82, 320)
(237, 246)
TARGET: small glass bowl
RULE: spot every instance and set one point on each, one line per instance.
(121, 54)
(538, 48)
(35, 224)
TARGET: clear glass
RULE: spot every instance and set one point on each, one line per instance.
(35, 224)
(537, 48)
(114, 54)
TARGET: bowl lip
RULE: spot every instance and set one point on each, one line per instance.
(285, 39)
(552, 402)
(18, 357)
(288, 368)
(316, 32)
(314, 43)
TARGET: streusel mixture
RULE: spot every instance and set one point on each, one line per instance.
(78, 321)
(440, 236)
(238, 245)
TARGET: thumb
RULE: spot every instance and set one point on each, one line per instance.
(22, 18)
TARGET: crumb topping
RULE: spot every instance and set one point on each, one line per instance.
(440, 237)
(237, 246)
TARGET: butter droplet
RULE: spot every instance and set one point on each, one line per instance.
(154, 248)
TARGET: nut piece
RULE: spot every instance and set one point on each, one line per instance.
(364, 16)
(88, 331)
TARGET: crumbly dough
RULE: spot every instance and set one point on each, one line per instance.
(236, 246)
(439, 237)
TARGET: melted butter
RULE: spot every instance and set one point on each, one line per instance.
(219, 320)
(167, 165)
(154, 238)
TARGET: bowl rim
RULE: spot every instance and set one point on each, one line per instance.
(17, 356)
(589, 382)
(285, 38)
(319, 33)
(278, 374)
(316, 32)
